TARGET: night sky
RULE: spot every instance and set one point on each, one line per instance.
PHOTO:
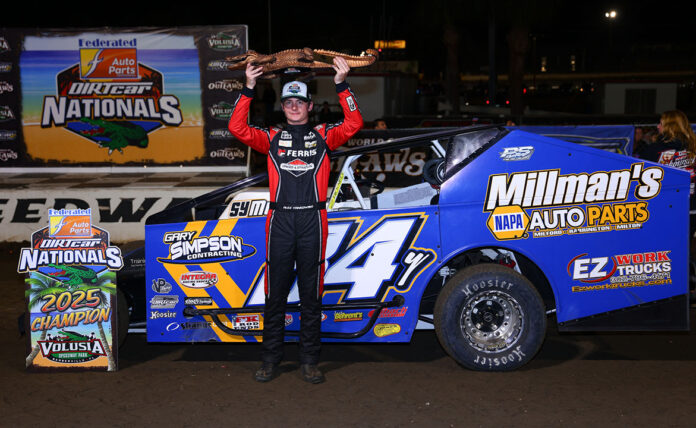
(353, 26)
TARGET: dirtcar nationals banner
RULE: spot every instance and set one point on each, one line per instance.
(70, 292)
(127, 96)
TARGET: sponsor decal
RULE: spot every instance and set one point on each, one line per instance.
(220, 134)
(297, 167)
(310, 144)
(7, 154)
(285, 143)
(285, 135)
(6, 114)
(351, 103)
(252, 208)
(517, 153)
(294, 89)
(620, 271)
(367, 264)
(70, 347)
(288, 319)
(160, 285)
(547, 203)
(198, 301)
(5, 67)
(247, 322)
(110, 98)
(219, 65)
(390, 312)
(678, 159)
(4, 46)
(66, 223)
(6, 135)
(348, 316)
(221, 111)
(47, 251)
(382, 330)
(164, 302)
(224, 42)
(228, 153)
(323, 317)
(281, 152)
(155, 315)
(228, 85)
(109, 63)
(6, 87)
(185, 249)
(198, 279)
(188, 325)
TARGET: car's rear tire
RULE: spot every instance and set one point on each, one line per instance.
(488, 317)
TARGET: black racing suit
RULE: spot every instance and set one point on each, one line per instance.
(296, 226)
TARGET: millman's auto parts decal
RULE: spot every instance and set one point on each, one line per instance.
(548, 203)
(368, 260)
(621, 271)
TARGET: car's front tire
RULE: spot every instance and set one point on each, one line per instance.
(488, 317)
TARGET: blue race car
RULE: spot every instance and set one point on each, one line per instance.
(500, 229)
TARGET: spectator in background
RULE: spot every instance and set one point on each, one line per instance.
(675, 146)
(380, 124)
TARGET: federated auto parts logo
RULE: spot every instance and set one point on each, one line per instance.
(185, 249)
(110, 98)
(224, 42)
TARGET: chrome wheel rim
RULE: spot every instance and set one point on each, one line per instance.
(492, 321)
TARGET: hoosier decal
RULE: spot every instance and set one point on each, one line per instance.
(539, 202)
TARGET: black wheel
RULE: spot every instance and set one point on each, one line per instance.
(488, 317)
(123, 317)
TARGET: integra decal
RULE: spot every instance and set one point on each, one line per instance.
(538, 202)
(185, 249)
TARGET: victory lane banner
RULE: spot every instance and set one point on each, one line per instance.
(71, 295)
(127, 96)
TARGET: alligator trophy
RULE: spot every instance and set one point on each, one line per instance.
(296, 60)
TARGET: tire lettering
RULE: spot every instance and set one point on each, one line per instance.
(515, 355)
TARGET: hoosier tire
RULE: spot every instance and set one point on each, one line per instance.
(488, 317)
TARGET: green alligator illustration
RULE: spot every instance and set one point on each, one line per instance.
(119, 134)
(77, 275)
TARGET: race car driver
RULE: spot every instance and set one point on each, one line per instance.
(296, 226)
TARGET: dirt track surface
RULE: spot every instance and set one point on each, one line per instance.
(575, 380)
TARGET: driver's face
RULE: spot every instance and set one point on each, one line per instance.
(296, 111)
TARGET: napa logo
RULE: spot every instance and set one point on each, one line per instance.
(185, 249)
(508, 222)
